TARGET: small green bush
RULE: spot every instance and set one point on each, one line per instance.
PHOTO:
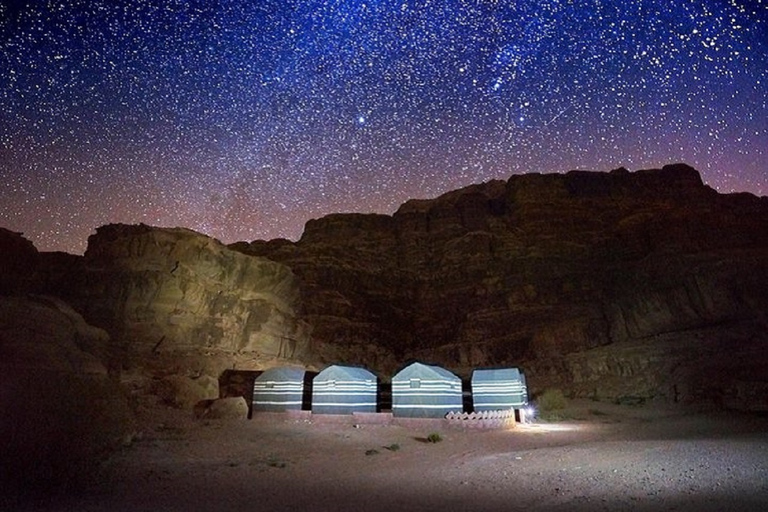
(393, 447)
(371, 452)
(434, 437)
(551, 400)
(550, 405)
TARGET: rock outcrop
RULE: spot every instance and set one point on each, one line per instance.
(179, 307)
(175, 308)
(622, 285)
(18, 263)
(174, 291)
(606, 284)
(62, 410)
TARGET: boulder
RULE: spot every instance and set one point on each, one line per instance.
(63, 412)
(183, 392)
(232, 408)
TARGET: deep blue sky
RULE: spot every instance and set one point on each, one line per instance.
(244, 119)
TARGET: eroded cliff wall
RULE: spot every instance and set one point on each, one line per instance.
(607, 284)
(646, 285)
(177, 289)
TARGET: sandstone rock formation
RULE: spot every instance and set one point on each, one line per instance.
(231, 408)
(179, 307)
(646, 284)
(173, 291)
(62, 411)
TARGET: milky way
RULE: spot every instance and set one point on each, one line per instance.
(244, 119)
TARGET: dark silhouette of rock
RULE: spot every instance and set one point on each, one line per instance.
(62, 411)
(646, 284)
(18, 263)
(622, 286)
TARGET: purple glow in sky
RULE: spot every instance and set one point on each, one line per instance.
(244, 119)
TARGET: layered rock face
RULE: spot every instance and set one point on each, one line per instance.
(159, 290)
(612, 285)
(176, 308)
(62, 410)
(646, 284)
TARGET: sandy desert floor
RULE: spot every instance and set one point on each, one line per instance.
(607, 457)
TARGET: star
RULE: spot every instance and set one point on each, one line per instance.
(246, 119)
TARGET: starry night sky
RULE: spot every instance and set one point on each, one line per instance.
(244, 119)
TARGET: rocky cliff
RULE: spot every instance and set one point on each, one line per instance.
(173, 291)
(647, 284)
(18, 263)
(164, 313)
(620, 285)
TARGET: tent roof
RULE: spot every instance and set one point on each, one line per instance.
(424, 370)
(282, 373)
(345, 372)
(496, 375)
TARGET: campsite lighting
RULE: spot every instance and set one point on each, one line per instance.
(528, 413)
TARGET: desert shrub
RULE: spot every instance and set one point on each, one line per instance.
(372, 452)
(434, 437)
(630, 400)
(393, 447)
(550, 404)
(552, 400)
(274, 462)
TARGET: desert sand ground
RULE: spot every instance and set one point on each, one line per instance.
(605, 457)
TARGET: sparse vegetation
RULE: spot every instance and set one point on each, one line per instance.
(550, 405)
(274, 462)
(372, 452)
(393, 447)
(630, 400)
(434, 437)
(168, 433)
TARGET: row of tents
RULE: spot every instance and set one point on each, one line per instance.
(417, 391)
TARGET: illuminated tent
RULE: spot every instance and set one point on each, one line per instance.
(498, 389)
(425, 391)
(525, 387)
(281, 389)
(344, 390)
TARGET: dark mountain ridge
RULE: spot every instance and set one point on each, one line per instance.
(606, 284)
(622, 285)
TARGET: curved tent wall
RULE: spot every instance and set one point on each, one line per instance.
(344, 390)
(279, 389)
(425, 391)
(525, 388)
(495, 389)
